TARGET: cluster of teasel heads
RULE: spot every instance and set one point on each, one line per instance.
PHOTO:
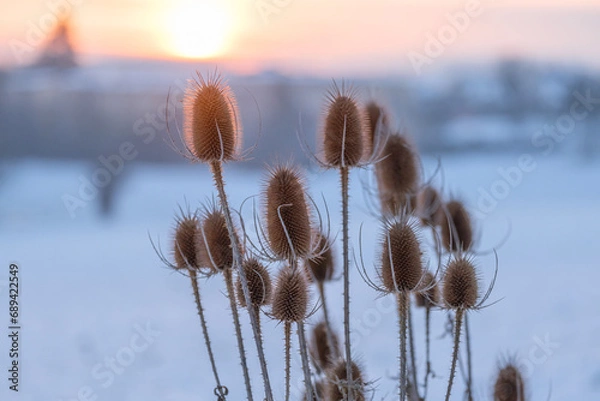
(210, 242)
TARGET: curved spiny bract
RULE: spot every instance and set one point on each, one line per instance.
(397, 175)
(290, 297)
(211, 130)
(457, 231)
(184, 248)
(460, 289)
(336, 388)
(320, 267)
(401, 264)
(429, 295)
(259, 284)
(213, 243)
(343, 131)
(429, 207)
(287, 214)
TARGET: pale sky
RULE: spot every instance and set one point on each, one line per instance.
(310, 35)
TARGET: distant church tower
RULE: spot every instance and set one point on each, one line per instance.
(58, 51)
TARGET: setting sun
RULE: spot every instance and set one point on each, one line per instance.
(198, 30)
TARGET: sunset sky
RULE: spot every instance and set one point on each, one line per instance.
(308, 35)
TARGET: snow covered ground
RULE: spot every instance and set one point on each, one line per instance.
(103, 320)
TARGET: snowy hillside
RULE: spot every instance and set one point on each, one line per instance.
(90, 286)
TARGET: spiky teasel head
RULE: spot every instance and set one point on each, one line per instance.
(378, 123)
(322, 352)
(213, 244)
(429, 293)
(318, 392)
(461, 286)
(457, 231)
(401, 264)
(184, 247)
(211, 129)
(343, 131)
(287, 214)
(509, 385)
(290, 296)
(321, 266)
(259, 284)
(336, 389)
(429, 207)
(397, 174)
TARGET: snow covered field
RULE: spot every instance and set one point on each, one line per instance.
(103, 320)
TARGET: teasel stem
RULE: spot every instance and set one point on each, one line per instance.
(402, 298)
(305, 363)
(287, 328)
(194, 279)
(238, 330)
(346, 275)
(302, 344)
(469, 362)
(412, 349)
(332, 346)
(217, 172)
(427, 349)
(457, 326)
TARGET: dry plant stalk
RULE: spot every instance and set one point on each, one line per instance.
(215, 251)
(428, 297)
(460, 294)
(290, 305)
(401, 272)
(289, 235)
(184, 253)
(213, 135)
(343, 148)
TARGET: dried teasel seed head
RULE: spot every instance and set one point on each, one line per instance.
(457, 231)
(290, 296)
(287, 214)
(509, 384)
(401, 264)
(211, 130)
(318, 392)
(321, 266)
(460, 288)
(429, 207)
(336, 379)
(213, 244)
(184, 248)
(322, 352)
(259, 284)
(343, 141)
(397, 174)
(378, 122)
(429, 296)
